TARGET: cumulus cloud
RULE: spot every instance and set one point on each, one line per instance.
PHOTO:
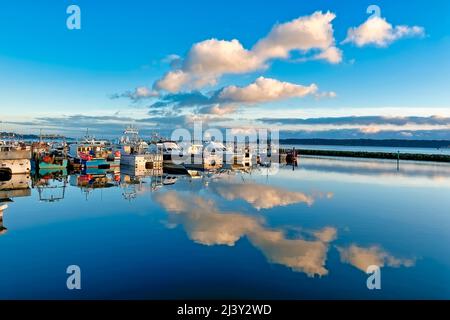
(266, 90)
(331, 54)
(301, 34)
(172, 81)
(362, 258)
(207, 225)
(228, 99)
(378, 32)
(208, 60)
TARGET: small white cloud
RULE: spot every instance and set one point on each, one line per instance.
(377, 31)
(266, 90)
(137, 94)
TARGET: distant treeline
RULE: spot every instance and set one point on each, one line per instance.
(371, 143)
(13, 135)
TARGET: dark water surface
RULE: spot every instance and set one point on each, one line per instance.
(302, 234)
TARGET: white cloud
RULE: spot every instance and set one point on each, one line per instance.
(377, 31)
(266, 90)
(172, 81)
(302, 34)
(208, 60)
(331, 54)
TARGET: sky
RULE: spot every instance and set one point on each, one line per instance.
(312, 69)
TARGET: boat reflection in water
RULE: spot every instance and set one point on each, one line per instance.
(307, 233)
(16, 185)
(3, 207)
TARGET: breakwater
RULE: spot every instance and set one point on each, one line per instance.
(371, 155)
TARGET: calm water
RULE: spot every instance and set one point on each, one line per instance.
(442, 151)
(308, 233)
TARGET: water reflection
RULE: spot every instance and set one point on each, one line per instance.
(51, 186)
(206, 224)
(408, 173)
(362, 258)
(231, 206)
(3, 207)
(265, 196)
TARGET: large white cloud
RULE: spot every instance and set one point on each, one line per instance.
(208, 60)
(377, 31)
(302, 34)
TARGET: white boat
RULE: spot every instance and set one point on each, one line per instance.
(238, 156)
(206, 156)
(14, 159)
(173, 155)
(135, 152)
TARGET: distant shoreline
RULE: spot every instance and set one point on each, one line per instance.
(395, 143)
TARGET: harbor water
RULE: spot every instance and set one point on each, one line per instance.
(303, 232)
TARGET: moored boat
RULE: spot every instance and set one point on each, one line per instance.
(173, 156)
(14, 158)
(135, 152)
(206, 156)
(92, 153)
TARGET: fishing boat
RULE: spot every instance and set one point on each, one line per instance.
(135, 152)
(92, 153)
(14, 159)
(51, 159)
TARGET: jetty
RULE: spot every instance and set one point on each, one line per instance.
(368, 154)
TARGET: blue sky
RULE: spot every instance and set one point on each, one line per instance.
(60, 79)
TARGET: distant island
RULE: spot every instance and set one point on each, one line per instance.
(435, 144)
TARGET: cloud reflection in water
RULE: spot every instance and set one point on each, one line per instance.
(207, 225)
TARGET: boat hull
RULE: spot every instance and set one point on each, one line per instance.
(101, 163)
(53, 166)
(142, 161)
